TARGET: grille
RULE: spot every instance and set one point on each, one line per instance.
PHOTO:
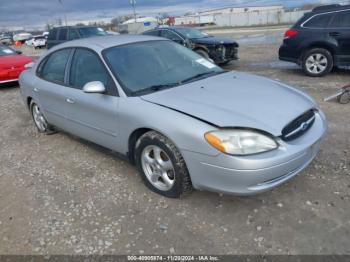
(299, 126)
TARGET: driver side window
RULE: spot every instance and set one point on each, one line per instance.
(86, 67)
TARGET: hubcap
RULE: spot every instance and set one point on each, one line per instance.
(158, 167)
(316, 63)
(39, 119)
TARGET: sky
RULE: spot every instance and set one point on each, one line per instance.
(36, 13)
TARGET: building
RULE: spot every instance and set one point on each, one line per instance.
(243, 9)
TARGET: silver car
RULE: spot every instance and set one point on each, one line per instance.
(183, 121)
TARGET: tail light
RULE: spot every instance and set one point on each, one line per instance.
(291, 33)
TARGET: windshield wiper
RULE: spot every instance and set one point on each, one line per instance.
(155, 88)
(202, 76)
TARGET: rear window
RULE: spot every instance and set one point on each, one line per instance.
(341, 20)
(319, 21)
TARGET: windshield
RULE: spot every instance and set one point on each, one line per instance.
(191, 33)
(91, 31)
(4, 50)
(147, 67)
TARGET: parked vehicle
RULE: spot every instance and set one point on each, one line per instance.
(220, 50)
(22, 37)
(38, 41)
(63, 34)
(184, 121)
(12, 63)
(5, 39)
(319, 41)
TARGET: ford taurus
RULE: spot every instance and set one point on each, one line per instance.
(183, 121)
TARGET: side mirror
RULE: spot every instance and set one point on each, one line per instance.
(94, 87)
(19, 52)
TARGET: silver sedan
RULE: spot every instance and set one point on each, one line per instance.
(184, 122)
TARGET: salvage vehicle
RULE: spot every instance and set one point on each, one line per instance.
(12, 63)
(185, 122)
(59, 35)
(319, 41)
(220, 50)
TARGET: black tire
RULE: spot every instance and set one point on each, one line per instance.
(46, 128)
(202, 53)
(182, 181)
(318, 72)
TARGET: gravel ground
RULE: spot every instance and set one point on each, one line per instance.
(62, 195)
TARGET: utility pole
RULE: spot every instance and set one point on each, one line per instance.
(133, 3)
(64, 11)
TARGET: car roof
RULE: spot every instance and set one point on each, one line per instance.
(74, 26)
(100, 43)
(329, 8)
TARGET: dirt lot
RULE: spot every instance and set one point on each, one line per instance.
(62, 195)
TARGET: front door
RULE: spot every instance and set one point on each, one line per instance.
(91, 116)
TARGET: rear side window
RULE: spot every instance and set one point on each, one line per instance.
(73, 34)
(52, 34)
(319, 21)
(62, 34)
(170, 35)
(53, 69)
(152, 33)
(341, 20)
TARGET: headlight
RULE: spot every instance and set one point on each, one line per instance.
(240, 142)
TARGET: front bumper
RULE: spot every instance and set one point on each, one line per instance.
(224, 55)
(258, 173)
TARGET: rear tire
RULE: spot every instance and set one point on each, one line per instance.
(161, 166)
(39, 120)
(317, 62)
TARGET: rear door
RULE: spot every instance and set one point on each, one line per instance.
(49, 87)
(340, 30)
(91, 116)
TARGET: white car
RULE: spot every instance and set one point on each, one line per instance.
(37, 41)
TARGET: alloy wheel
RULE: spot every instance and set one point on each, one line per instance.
(316, 63)
(158, 168)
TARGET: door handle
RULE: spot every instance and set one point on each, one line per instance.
(36, 89)
(334, 34)
(70, 101)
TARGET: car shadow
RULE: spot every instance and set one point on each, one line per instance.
(8, 85)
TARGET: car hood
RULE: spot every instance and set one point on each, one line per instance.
(237, 100)
(214, 41)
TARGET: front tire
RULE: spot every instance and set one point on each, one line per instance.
(39, 120)
(202, 53)
(161, 166)
(317, 62)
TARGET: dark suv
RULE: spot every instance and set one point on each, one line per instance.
(220, 50)
(63, 34)
(320, 40)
